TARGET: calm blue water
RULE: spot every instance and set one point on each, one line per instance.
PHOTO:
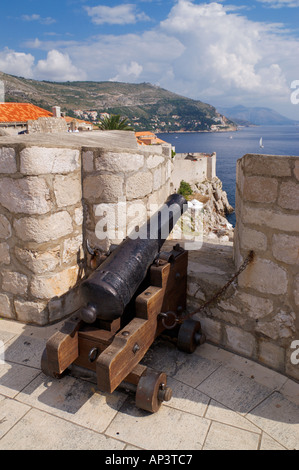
(230, 146)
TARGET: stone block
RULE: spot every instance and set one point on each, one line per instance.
(41, 160)
(78, 216)
(15, 283)
(67, 189)
(240, 341)
(87, 160)
(139, 185)
(281, 326)
(252, 239)
(269, 218)
(271, 354)
(5, 307)
(47, 287)
(260, 189)
(267, 165)
(31, 312)
(296, 170)
(4, 253)
(289, 195)
(153, 161)
(286, 248)
(248, 305)
(39, 262)
(103, 188)
(26, 195)
(157, 179)
(8, 162)
(5, 227)
(119, 162)
(72, 249)
(264, 276)
(44, 229)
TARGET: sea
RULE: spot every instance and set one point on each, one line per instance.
(230, 146)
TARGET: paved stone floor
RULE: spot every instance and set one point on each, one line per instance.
(220, 401)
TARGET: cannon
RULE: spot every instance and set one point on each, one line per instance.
(137, 293)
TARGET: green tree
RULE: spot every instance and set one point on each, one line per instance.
(115, 122)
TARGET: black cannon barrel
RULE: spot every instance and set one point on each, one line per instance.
(109, 289)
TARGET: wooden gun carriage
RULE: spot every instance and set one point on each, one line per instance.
(134, 296)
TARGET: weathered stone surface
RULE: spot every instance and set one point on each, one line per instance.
(103, 188)
(240, 341)
(296, 170)
(119, 162)
(87, 160)
(5, 307)
(41, 160)
(157, 179)
(39, 262)
(78, 216)
(272, 219)
(26, 195)
(44, 229)
(72, 247)
(15, 283)
(289, 195)
(4, 253)
(248, 305)
(267, 165)
(5, 227)
(31, 312)
(153, 161)
(286, 248)
(139, 185)
(252, 239)
(8, 162)
(265, 276)
(67, 189)
(280, 327)
(43, 287)
(296, 290)
(271, 354)
(260, 189)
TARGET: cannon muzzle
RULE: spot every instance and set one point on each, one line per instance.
(109, 289)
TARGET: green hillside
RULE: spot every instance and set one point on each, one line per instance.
(147, 107)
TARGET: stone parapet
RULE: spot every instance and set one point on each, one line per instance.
(258, 316)
(52, 196)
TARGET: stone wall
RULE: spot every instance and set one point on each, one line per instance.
(193, 168)
(258, 316)
(47, 125)
(49, 200)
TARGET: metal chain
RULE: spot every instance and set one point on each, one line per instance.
(218, 294)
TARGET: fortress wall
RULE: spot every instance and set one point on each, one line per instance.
(258, 315)
(267, 212)
(49, 201)
(193, 168)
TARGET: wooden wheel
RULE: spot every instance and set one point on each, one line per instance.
(152, 391)
(190, 336)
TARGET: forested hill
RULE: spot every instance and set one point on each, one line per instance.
(147, 107)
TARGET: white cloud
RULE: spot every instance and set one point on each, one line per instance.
(58, 67)
(280, 3)
(35, 17)
(126, 72)
(121, 14)
(16, 63)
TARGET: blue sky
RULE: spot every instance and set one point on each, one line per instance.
(224, 52)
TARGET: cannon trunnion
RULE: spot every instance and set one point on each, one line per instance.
(112, 343)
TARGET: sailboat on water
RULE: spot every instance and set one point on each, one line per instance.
(261, 143)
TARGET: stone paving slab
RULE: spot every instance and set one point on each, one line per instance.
(220, 401)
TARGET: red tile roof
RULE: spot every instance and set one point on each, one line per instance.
(21, 112)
